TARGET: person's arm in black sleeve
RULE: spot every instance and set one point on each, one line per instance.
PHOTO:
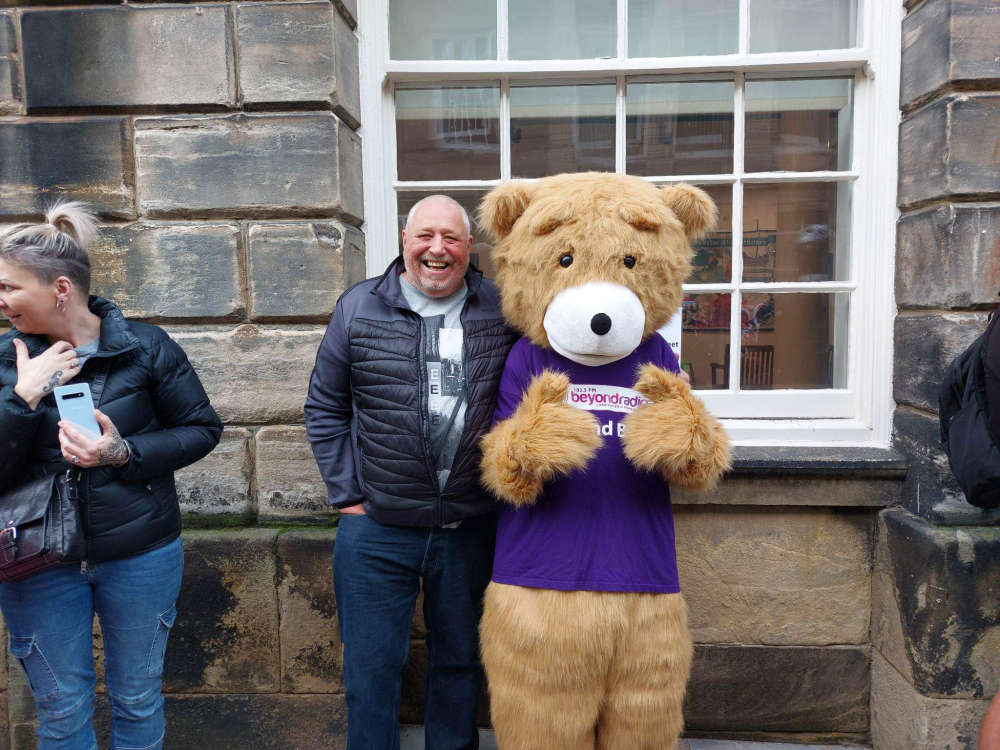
(328, 412)
(191, 428)
(19, 425)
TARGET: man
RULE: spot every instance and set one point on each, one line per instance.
(404, 386)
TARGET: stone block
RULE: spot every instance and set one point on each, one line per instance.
(296, 270)
(73, 158)
(10, 69)
(289, 486)
(310, 641)
(778, 689)
(887, 623)
(777, 577)
(945, 581)
(298, 52)
(348, 11)
(941, 149)
(842, 491)
(948, 41)
(164, 271)
(129, 56)
(225, 638)
(219, 484)
(947, 256)
(253, 374)
(929, 489)
(248, 165)
(902, 719)
(355, 268)
(925, 344)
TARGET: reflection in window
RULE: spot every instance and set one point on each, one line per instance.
(673, 28)
(439, 30)
(560, 30)
(790, 25)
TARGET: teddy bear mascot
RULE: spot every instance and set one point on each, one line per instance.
(584, 635)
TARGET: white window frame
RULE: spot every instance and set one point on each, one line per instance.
(858, 415)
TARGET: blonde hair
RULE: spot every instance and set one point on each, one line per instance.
(55, 248)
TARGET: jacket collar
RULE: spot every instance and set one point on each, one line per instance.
(115, 336)
(389, 288)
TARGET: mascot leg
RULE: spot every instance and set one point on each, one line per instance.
(546, 656)
(643, 707)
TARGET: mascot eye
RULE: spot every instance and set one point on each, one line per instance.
(566, 261)
(629, 261)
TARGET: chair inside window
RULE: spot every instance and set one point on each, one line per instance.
(756, 368)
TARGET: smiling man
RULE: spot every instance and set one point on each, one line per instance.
(395, 425)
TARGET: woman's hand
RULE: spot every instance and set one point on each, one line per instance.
(82, 449)
(37, 376)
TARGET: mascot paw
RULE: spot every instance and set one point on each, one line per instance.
(543, 439)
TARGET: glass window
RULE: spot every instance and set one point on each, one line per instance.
(791, 25)
(448, 133)
(705, 340)
(560, 30)
(713, 254)
(441, 30)
(561, 129)
(672, 28)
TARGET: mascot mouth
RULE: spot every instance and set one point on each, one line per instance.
(595, 323)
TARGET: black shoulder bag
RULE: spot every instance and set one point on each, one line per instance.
(40, 521)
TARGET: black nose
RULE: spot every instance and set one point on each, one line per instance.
(600, 324)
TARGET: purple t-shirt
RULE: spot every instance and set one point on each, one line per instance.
(608, 527)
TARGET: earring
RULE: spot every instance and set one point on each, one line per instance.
(61, 305)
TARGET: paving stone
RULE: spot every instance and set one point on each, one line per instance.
(164, 271)
(925, 344)
(946, 581)
(947, 41)
(253, 374)
(947, 256)
(254, 165)
(941, 149)
(298, 52)
(775, 576)
(310, 640)
(10, 71)
(842, 491)
(72, 158)
(225, 638)
(289, 486)
(778, 689)
(127, 56)
(296, 270)
(902, 719)
(219, 484)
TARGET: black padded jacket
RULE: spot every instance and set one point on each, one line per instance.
(366, 413)
(154, 398)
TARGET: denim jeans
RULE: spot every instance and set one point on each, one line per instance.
(377, 574)
(50, 619)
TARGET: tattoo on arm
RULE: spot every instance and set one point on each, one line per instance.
(116, 453)
(53, 382)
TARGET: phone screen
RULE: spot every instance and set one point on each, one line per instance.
(77, 406)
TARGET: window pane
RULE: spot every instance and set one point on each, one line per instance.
(674, 28)
(788, 25)
(796, 232)
(441, 30)
(713, 254)
(679, 128)
(794, 341)
(448, 133)
(559, 30)
(480, 255)
(561, 129)
(705, 339)
(798, 125)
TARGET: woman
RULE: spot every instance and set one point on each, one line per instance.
(155, 418)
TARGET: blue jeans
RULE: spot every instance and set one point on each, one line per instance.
(50, 617)
(377, 574)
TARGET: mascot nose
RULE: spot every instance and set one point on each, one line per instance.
(600, 324)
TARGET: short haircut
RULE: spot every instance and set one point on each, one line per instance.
(448, 199)
(55, 248)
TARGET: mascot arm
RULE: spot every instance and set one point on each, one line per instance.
(674, 433)
(544, 438)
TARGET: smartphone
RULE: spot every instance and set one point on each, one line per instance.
(77, 406)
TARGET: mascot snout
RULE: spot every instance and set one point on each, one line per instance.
(595, 323)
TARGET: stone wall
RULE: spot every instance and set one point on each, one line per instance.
(935, 663)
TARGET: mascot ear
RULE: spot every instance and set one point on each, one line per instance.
(504, 205)
(693, 207)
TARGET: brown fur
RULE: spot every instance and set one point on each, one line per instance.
(575, 670)
(543, 439)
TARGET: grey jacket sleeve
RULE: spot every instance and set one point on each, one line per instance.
(328, 413)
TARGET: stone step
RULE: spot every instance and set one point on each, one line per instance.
(412, 738)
